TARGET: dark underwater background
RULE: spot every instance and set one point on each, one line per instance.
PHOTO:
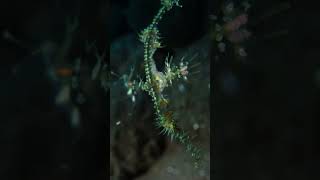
(254, 117)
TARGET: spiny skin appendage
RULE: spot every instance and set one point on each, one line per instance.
(157, 81)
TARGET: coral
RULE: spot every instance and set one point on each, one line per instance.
(230, 29)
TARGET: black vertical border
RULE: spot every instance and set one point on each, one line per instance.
(108, 94)
(214, 9)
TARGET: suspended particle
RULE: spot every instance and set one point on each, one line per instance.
(181, 88)
(195, 126)
(75, 117)
(222, 47)
(129, 92)
(242, 52)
